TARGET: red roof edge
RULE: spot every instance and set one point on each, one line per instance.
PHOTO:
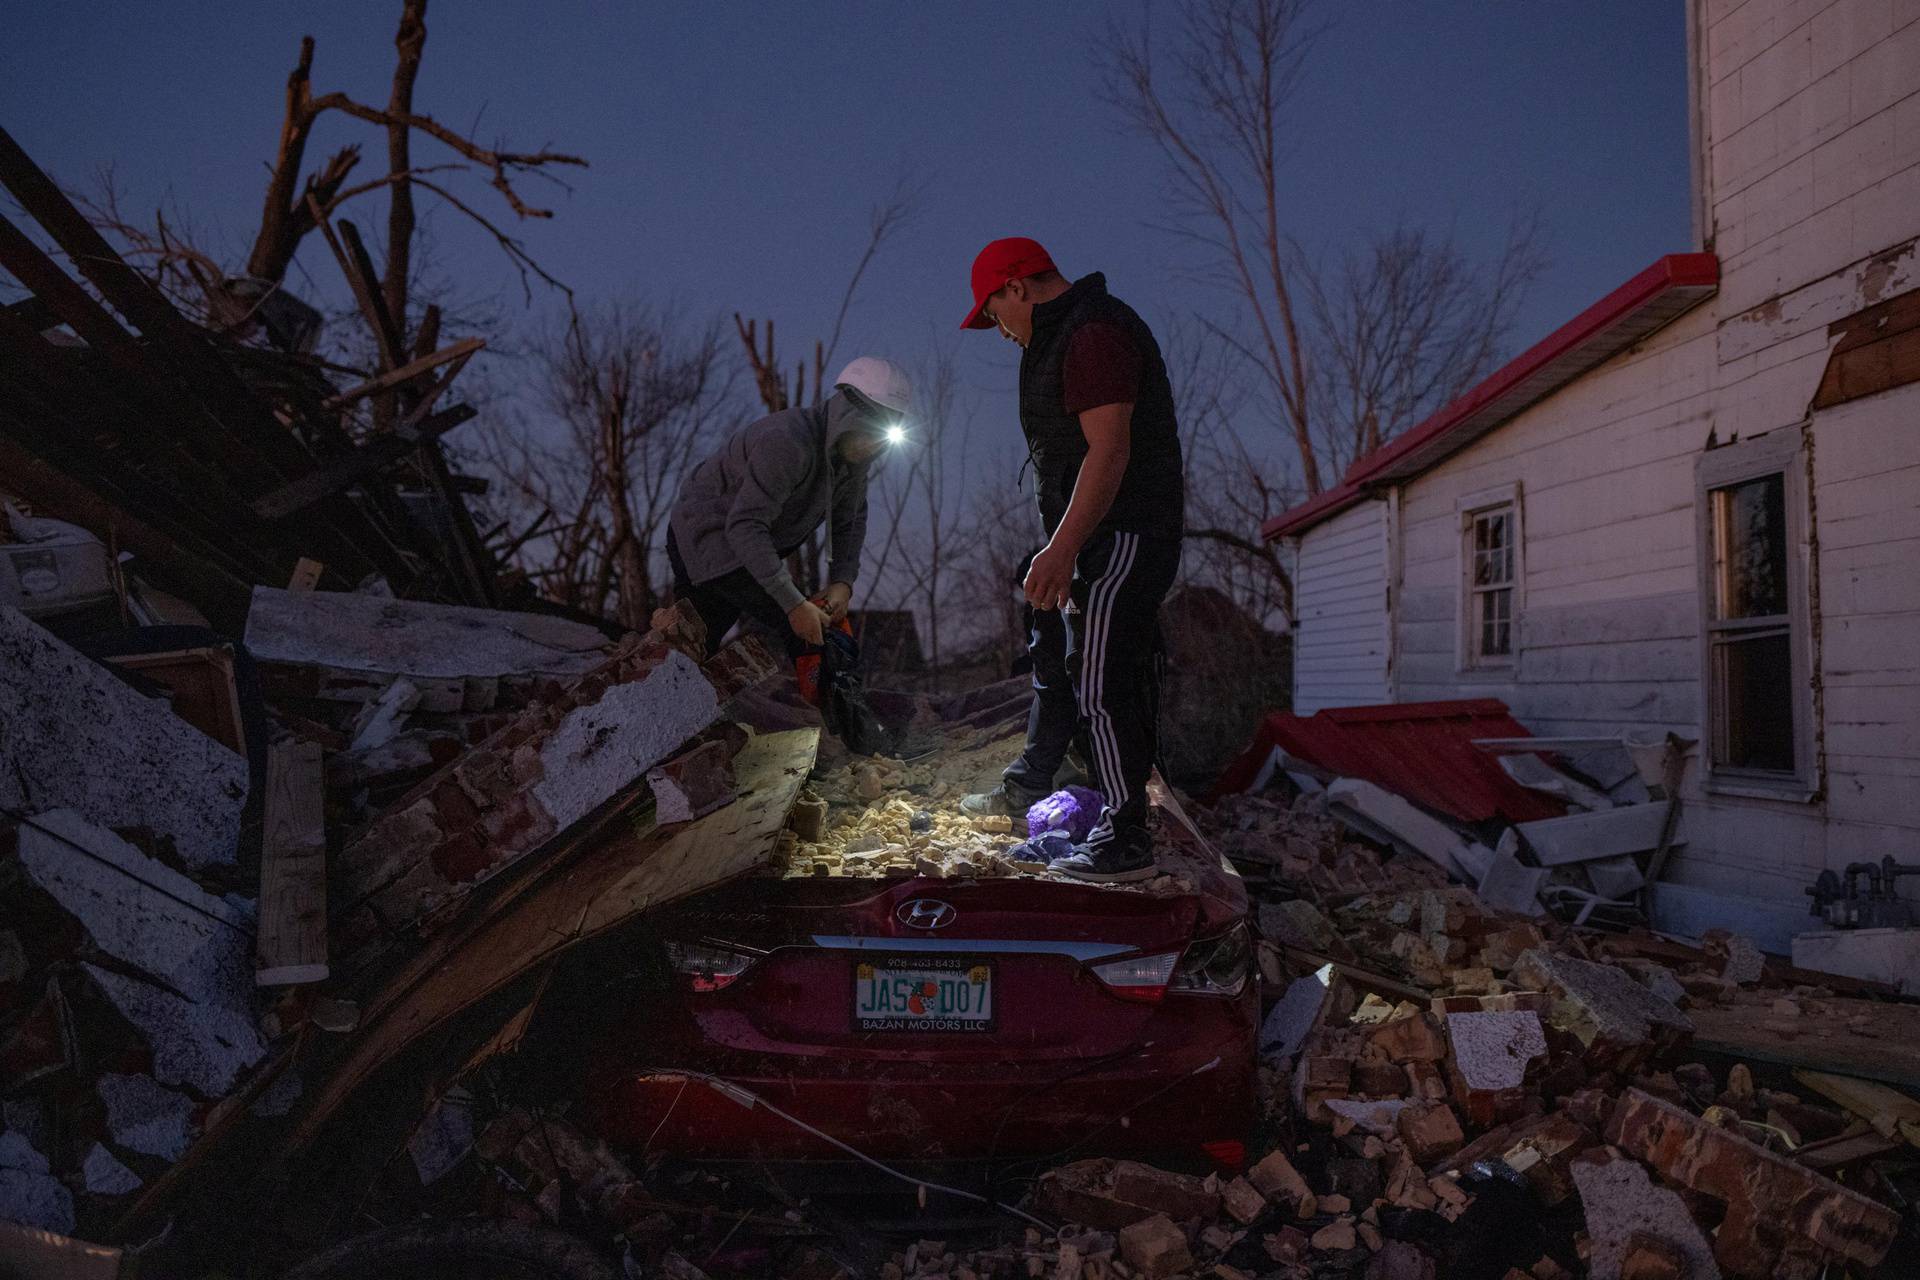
(1693, 271)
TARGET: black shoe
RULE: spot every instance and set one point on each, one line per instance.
(1121, 857)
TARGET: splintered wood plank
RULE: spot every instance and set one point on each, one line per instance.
(1857, 1144)
(292, 939)
(621, 876)
(306, 575)
(1891, 1113)
(1871, 1039)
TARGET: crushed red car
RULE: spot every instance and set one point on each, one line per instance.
(932, 1019)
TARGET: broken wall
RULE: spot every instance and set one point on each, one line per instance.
(1809, 124)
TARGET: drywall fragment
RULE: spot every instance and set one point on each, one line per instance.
(143, 1116)
(1620, 1201)
(105, 1175)
(1619, 1021)
(29, 1193)
(1378, 1116)
(142, 912)
(74, 736)
(1491, 1050)
(444, 1136)
(381, 720)
(1294, 1014)
(1509, 886)
(203, 1046)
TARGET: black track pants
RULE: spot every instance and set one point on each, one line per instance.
(1095, 667)
(724, 600)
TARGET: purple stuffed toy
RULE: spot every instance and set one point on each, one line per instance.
(1073, 810)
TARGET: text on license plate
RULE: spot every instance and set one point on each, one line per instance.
(923, 995)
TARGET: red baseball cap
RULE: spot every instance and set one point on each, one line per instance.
(1014, 258)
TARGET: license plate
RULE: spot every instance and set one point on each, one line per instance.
(923, 994)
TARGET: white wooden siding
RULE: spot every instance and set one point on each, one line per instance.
(1340, 636)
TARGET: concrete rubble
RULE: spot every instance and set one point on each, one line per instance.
(1455, 1081)
(134, 1038)
(1459, 1090)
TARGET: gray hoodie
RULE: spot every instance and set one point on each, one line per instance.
(769, 486)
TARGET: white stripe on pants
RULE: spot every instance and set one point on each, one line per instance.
(1093, 661)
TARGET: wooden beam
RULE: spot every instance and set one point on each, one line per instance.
(187, 352)
(1892, 1114)
(385, 325)
(291, 943)
(406, 373)
(339, 473)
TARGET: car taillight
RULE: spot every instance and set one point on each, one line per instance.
(707, 966)
(1216, 966)
(1142, 978)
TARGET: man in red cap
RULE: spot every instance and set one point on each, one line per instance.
(1097, 411)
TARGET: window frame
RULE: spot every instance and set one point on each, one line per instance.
(1780, 452)
(1468, 660)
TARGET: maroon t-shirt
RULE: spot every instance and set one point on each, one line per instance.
(1102, 367)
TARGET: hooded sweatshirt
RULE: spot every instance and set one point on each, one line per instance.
(769, 486)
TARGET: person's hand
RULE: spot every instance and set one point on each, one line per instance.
(835, 600)
(809, 621)
(1050, 578)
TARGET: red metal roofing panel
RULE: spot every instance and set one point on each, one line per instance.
(1653, 298)
(1422, 751)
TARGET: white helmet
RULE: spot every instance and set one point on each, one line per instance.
(881, 381)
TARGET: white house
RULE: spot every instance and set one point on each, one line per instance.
(1696, 506)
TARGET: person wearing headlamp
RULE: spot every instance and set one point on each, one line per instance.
(744, 509)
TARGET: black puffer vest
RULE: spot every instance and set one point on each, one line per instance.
(1151, 496)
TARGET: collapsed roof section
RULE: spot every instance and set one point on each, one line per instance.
(215, 466)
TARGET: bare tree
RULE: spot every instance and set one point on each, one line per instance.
(1341, 356)
(1405, 324)
(635, 405)
(925, 524)
(290, 207)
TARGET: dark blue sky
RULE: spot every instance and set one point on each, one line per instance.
(737, 147)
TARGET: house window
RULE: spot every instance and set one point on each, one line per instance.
(1758, 704)
(1751, 625)
(1492, 534)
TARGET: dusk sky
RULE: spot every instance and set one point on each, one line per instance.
(736, 148)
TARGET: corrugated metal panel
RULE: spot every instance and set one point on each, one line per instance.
(1422, 751)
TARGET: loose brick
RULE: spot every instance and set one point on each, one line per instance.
(1783, 1220)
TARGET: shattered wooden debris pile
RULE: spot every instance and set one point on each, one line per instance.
(156, 893)
(1456, 1091)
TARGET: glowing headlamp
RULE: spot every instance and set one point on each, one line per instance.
(896, 434)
